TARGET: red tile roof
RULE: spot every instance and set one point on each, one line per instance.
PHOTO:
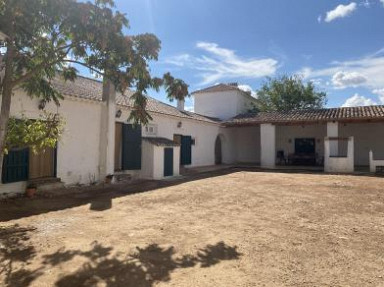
(91, 89)
(159, 141)
(315, 115)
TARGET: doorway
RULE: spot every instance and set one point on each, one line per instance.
(185, 148)
(168, 162)
(305, 152)
(42, 164)
(127, 147)
(218, 151)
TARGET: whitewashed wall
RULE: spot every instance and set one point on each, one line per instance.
(158, 171)
(147, 160)
(152, 166)
(78, 150)
(374, 162)
(222, 105)
(367, 136)
(285, 137)
(338, 164)
(203, 152)
(228, 145)
(247, 140)
(268, 146)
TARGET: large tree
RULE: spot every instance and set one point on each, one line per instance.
(47, 39)
(287, 93)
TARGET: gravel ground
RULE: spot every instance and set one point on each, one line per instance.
(236, 228)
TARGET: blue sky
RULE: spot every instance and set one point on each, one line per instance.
(337, 44)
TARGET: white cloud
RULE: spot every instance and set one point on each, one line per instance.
(217, 63)
(340, 11)
(352, 72)
(380, 93)
(343, 80)
(357, 100)
(179, 60)
(247, 88)
(382, 2)
(190, 108)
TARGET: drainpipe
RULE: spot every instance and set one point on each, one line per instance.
(107, 130)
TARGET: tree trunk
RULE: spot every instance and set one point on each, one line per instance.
(6, 98)
(4, 118)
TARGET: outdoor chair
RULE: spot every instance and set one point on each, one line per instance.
(281, 157)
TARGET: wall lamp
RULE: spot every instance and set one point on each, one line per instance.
(42, 104)
(118, 114)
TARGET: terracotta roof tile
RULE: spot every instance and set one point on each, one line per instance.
(315, 115)
(91, 89)
(158, 141)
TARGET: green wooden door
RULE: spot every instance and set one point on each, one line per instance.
(186, 150)
(168, 161)
(131, 147)
(16, 166)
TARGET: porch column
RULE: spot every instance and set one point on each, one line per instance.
(107, 130)
(268, 145)
(333, 132)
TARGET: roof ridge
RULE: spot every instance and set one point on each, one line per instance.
(375, 112)
(91, 89)
(89, 78)
(216, 85)
(319, 109)
(183, 111)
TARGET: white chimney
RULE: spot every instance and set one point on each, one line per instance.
(180, 105)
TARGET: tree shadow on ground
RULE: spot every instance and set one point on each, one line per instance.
(100, 198)
(15, 249)
(143, 268)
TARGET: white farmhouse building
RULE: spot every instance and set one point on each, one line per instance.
(98, 141)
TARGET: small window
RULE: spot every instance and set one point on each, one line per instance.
(193, 141)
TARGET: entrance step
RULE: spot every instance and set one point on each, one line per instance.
(122, 178)
(183, 170)
(47, 184)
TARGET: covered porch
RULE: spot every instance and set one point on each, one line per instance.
(330, 146)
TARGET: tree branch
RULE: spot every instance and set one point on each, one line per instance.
(84, 65)
(38, 68)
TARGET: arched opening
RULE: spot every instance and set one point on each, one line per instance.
(218, 151)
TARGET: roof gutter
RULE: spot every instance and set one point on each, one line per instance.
(303, 122)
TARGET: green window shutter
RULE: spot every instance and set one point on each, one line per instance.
(186, 150)
(16, 166)
(131, 149)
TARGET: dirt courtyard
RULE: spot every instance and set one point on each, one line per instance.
(236, 228)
